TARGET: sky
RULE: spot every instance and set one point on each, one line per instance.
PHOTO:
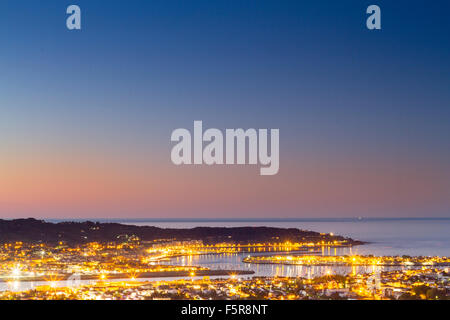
(86, 115)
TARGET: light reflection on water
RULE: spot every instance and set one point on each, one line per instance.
(413, 237)
(233, 261)
(387, 237)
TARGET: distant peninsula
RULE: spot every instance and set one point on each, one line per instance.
(35, 231)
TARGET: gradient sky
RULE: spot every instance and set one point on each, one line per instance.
(86, 116)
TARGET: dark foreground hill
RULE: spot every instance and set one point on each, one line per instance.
(32, 230)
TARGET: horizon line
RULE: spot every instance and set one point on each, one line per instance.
(306, 219)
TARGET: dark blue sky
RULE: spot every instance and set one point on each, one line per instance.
(139, 69)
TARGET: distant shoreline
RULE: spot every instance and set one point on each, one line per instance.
(39, 231)
(193, 220)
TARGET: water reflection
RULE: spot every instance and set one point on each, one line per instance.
(227, 261)
(233, 261)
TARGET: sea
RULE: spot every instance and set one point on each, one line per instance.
(384, 236)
